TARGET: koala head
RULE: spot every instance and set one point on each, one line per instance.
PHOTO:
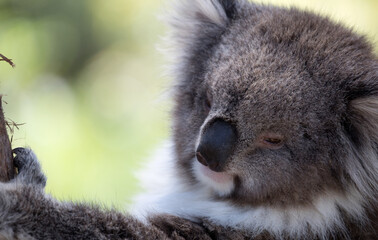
(273, 106)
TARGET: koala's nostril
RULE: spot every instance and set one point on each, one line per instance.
(216, 144)
(201, 159)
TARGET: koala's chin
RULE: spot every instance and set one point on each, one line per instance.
(221, 183)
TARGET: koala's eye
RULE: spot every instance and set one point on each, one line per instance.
(271, 140)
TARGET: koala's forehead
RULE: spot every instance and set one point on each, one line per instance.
(249, 73)
(262, 75)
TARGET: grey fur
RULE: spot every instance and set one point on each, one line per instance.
(267, 71)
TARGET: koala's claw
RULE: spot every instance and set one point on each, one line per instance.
(29, 169)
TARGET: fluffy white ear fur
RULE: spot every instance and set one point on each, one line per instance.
(363, 165)
(187, 17)
(187, 20)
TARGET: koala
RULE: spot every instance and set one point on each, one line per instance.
(275, 136)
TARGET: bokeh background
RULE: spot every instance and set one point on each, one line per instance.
(90, 89)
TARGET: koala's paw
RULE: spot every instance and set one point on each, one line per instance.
(29, 169)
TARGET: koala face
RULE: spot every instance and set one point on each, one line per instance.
(266, 105)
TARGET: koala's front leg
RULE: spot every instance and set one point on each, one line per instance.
(21, 197)
(29, 169)
(26, 212)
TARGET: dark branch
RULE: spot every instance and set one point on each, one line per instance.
(4, 58)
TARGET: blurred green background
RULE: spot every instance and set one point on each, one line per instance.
(89, 86)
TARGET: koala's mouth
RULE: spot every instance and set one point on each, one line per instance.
(218, 177)
(220, 182)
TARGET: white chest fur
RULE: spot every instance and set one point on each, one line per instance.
(166, 194)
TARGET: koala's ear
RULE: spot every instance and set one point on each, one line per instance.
(195, 27)
(187, 17)
(364, 117)
(362, 100)
(194, 21)
(362, 131)
(362, 110)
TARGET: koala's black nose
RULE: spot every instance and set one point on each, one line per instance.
(216, 145)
